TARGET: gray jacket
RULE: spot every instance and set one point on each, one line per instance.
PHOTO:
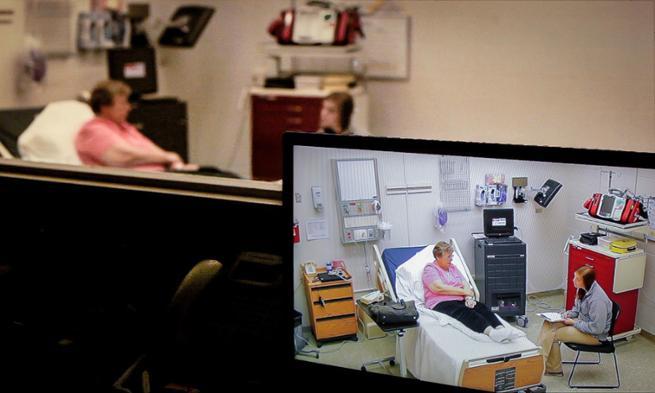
(594, 312)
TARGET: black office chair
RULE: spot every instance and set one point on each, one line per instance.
(160, 368)
(605, 347)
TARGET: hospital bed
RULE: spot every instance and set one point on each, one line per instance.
(441, 349)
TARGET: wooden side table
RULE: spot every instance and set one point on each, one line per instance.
(331, 307)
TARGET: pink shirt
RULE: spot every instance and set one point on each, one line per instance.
(431, 273)
(98, 134)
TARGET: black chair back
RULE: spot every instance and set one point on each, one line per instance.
(187, 295)
(616, 310)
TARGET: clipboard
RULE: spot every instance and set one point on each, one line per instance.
(551, 316)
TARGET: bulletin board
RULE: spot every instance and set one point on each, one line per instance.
(386, 46)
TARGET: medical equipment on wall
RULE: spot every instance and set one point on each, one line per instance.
(31, 66)
(358, 200)
(385, 229)
(493, 192)
(296, 231)
(186, 25)
(490, 195)
(317, 198)
(519, 184)
(440, 216)
(547, 192)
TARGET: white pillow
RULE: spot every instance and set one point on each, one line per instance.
(409, 276)
(51, 136)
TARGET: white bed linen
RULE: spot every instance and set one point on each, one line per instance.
(437, 349)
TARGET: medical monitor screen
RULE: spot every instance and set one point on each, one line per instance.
(607, 206)
(498, 222)
(136, 67)
(390, 214)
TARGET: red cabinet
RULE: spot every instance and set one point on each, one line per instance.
(620, 275)
(271, 116)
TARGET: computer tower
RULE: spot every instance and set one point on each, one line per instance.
(500, 274)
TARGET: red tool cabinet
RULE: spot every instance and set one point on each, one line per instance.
(620, 275)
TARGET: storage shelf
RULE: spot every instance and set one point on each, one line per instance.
(638, 230)
(634, 227)
(316, 51)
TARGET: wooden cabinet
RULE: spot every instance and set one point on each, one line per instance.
(331, 307)
(620, 275)
(271, 116)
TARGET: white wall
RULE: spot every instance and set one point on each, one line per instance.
(576, 73)
(548, 73)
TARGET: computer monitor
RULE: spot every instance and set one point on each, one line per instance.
(411, 177)
(498, 222)
(136, 67)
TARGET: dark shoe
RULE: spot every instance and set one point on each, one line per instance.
(554, 374)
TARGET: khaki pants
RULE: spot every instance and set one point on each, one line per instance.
(552, 333)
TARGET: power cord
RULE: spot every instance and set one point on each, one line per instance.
(540, 305)
(319, 351)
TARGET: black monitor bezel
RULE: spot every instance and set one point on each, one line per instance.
(489, 213)
(308, 371)
(119, 56)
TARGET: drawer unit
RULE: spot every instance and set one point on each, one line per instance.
(271, 116)
(500, 274)
(331, 308)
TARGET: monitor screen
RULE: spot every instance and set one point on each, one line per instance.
(377, 211)
(498, 222)
(136, 67)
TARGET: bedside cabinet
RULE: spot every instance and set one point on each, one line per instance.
(331, 308)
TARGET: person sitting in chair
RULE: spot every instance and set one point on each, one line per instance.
(448, 292)
(587, 323)
(336, 112)
(109, 140)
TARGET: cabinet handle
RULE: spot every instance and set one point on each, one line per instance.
(294, 120)
(589, 258)
(294, 108)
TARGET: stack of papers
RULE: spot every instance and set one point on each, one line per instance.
(551, 316)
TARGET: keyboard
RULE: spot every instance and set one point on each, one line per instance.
(328, 277)
(502, 240)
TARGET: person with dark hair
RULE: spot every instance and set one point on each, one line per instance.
(587, 323)
(447, 292)
(109, 140)
(336, 112)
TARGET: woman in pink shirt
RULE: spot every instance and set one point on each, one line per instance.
(447, 291)
(109, 140)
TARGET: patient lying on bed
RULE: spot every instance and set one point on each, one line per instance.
(447, 291)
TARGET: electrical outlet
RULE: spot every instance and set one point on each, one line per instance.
(360, 234)
(298, 198)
